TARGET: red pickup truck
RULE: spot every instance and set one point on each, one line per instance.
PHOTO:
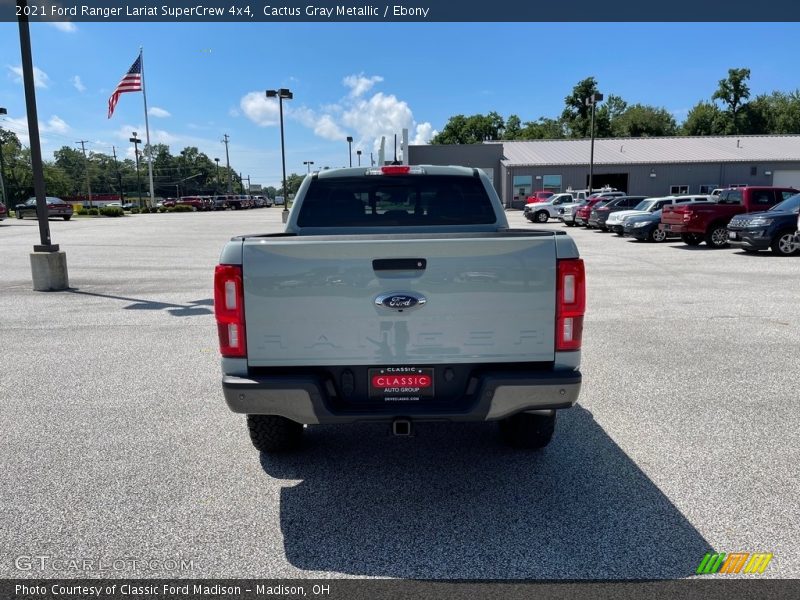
(709, 222)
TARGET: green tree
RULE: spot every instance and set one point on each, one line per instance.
(704, 118)
(513, 128)
(471, 130)
(640, 120)
(293, 182)
(543, 129)
(734, 92)
(576, 116)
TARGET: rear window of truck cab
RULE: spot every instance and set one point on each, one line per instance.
(392, 200)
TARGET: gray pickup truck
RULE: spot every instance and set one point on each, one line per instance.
(399, 294)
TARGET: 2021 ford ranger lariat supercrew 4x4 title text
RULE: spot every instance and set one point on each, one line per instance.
(395, 295)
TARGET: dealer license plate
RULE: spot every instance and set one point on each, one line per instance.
(401, 384)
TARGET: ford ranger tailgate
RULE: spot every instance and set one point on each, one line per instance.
(399, 299)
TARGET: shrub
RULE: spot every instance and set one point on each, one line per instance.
(92, 211)
(81, 211)
(162, 209)
(182, 208)
(134, 211)
(112, 211)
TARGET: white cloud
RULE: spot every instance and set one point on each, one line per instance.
(155, 111)
(40, 78)
(324, 125)
(359, 84)
(259, 109)
(157, 136)
(76, 81)
(232, 112)
(65, 26)
(425, 132)
(55, 125)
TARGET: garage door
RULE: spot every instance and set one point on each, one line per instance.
(786, 179)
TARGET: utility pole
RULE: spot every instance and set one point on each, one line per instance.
(225, 141)
(241, 181)
(119, 175)
(88, 176)
(248, 184)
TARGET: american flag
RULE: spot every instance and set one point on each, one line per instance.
(131, 82)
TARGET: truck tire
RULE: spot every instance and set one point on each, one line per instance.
(542, 216)
(784, 244)
(528, 431)
(271, 433)
(691, 239)
(569, 223)
(717, 236)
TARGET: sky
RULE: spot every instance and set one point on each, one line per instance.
(363, 80)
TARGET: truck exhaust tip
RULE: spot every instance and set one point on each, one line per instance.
(401, 427)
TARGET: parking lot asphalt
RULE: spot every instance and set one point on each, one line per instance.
(117, 444)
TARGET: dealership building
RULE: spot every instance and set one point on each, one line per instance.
(654, 166)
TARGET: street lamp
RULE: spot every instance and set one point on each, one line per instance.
(350, 148)
(308, 164)
(136, 141)
(281, 94)
(358, 152)
(217, 186)
(592, 101)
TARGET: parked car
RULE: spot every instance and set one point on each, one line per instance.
(645, 227)
(582, 214)
(220, 202)
(3, 211)
(196, 202)
(775, 228)
(617, 220)
(709, 222)
(279, 200)
(169, 202)
(539, 197)
(541, 212)
(600, 213)
(56, 207)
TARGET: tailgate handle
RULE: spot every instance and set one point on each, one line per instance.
(399, 264)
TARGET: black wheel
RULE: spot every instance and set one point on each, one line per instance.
(270, 433)
(691, 239)
(785, 244)
(717, 236)
(19, 214)
(528, 431)
(656, 235)
(542, 216)
(67, 217)
(569, 223)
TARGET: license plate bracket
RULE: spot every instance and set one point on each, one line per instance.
(401, 384)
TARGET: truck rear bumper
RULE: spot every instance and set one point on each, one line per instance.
(675, 228)
(304, 399)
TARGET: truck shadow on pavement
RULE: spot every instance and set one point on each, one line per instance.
(453, 502)
(190, 309)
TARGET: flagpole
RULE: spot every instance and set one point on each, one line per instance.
(147, 131)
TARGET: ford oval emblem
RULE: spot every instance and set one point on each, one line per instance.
(400, 301)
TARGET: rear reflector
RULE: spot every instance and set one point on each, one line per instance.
(396, 170)
(570, 304)
(229, 310)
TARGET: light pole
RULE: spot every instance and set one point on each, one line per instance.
(3, 111)
(217, 186)
(358, 153)
(350, 148)
(308, 164)
(281, 94)
(592, 101)
(136, 141)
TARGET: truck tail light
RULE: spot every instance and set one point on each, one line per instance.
(396, 170)
(229, 310)
(570, 304)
